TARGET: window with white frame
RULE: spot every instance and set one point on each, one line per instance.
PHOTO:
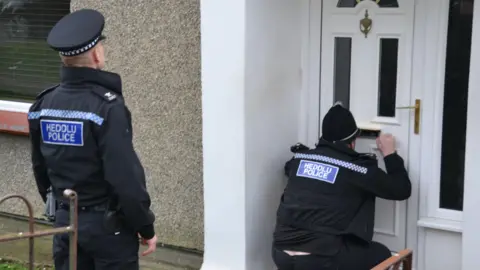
(457, 69)
(27, 64)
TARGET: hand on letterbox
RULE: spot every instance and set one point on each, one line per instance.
(386, 144)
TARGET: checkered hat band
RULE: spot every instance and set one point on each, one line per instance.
(81, 50)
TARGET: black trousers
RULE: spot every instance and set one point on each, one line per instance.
(354, 255)
(98, 249)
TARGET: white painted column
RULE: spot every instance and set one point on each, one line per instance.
(223, 116)
(251, 85)
(471, 202)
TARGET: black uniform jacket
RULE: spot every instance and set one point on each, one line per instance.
(331, 192)
(81, 138)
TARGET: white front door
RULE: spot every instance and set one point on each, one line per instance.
(366, 61)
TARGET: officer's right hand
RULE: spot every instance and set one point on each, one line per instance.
(152, 245)
(386, 144)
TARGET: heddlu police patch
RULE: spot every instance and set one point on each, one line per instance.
(318, 171)
(62, 132)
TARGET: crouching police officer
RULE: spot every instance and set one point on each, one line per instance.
(326, 215)
(81, 138)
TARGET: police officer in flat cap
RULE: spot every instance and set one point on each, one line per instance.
(326, 215)
(81, 139)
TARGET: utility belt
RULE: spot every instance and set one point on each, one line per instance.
(113, 218)
(309, 227)
(93, 208)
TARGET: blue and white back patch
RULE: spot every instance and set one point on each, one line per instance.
(318, 171)
(338, 162)
(62, 132)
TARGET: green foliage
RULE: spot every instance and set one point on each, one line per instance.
(16, 266)
(11, 266)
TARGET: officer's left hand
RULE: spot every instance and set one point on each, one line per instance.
(152, 245)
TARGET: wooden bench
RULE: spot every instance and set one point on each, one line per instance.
(400, 261)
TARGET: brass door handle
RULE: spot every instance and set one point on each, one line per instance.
(406, 107)
(416, 108)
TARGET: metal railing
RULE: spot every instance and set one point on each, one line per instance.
(402, 260)
(71, 229)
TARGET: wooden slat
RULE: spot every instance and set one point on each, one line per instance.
(395, 262)
(14, 122)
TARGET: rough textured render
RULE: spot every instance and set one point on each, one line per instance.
(16, 175)
(155, 46)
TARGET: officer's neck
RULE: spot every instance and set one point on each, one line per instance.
(343, 144)
(92, 66)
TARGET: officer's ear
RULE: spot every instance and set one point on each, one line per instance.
(98, 56)
(95, 55)
(352, 144)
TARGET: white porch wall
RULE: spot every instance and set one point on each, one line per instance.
(223, 105)
(251, 84)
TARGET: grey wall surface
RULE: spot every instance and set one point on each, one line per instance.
(155, 46)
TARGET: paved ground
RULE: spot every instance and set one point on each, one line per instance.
(19, 249)
(163, 259)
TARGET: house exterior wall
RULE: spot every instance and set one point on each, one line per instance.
(155, 46)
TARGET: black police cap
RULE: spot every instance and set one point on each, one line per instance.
(77, 32)
(339, 125)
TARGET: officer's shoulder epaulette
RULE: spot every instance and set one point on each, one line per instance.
(368, 156)
(46, 91)
(104, 93)
(299, 147)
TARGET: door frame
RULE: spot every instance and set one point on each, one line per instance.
(309, 127)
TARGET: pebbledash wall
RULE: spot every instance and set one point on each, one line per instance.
(155, 46)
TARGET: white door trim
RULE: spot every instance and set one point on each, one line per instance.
(430, 53)
(471, 236)
(434, 48)
(311, 43)
(414, 240)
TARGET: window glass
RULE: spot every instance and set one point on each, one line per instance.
(27, 64)
(342, 62)
(381, 3)
(457, 72)
(387, 77)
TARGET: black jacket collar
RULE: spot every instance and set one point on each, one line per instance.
(78, 75)
(338, 146)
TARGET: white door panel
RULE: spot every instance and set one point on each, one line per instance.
(371, 75)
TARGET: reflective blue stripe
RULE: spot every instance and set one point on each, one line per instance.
(338, 162)
(89, 116)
